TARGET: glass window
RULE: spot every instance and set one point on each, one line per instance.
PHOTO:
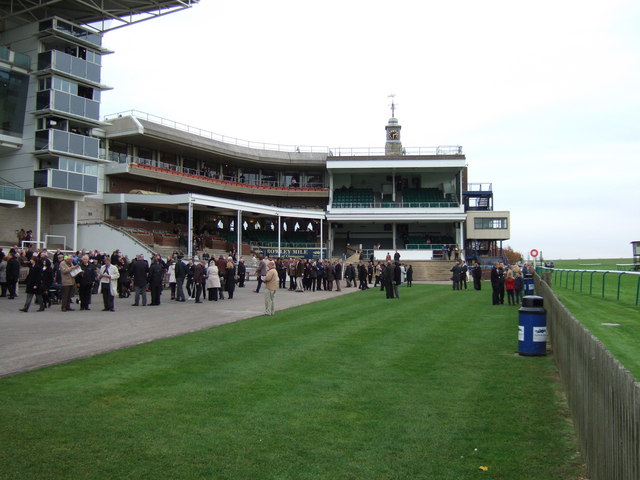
(91, 169)
(269, 177)
(490, 223)
(13, 101)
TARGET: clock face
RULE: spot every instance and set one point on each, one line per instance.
(393, 134)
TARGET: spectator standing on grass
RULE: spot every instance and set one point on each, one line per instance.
(337, 268)
(476, 273)
(388, 276)
(455, 276)
(397, 280)
(510, 284)
(410, 276)
(519, 286)
(463, 274)
(271, 285)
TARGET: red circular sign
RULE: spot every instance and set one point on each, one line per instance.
(534, 253)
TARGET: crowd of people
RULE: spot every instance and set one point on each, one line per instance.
(64, 279)
(510, 279)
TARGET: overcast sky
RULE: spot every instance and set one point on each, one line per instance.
(543, 97)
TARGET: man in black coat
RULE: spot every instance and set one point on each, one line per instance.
(85, 280)
(476, 273)
(242, 272)
(139, 270)
(13, 273)
(497, 284)
(156, 275)
(181, 274)
(388, 276)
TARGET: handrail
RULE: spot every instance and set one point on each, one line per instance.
(339, 151)
(212, 176)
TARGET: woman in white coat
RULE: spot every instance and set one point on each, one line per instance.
(171, 270)
(213, 281)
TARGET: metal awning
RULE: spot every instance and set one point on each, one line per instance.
(103, 15)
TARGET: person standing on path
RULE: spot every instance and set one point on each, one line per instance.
(271, 285)
(261, 272)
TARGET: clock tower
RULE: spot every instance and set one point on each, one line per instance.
(393, 145)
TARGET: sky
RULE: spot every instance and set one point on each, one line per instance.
(543, 97)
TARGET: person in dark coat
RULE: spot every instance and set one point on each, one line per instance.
(33, 284)
(476, 273)
(409, 277)
(230, 278)
(156, 275)
(463, 275)
(388, 275)
(181, 274)
(242, 272)
(455, 275)
(198, 276)
(139, 270)
(497, 284)
(397, 280)
(12, 273)
(338, 274)
(85, 280)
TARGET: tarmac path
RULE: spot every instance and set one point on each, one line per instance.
(36, 339)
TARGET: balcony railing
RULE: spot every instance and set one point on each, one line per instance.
(65, 102)
(390, 204)
(65, 63)
(63, 180)
(211, 176)
(67, 142)
(11, 193)
(339, 151)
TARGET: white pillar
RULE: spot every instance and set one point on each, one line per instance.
(321, 249)
(189, 228)
(279, 230)
(239, 235)
(393, 231)
(75, 226)
(38, 221)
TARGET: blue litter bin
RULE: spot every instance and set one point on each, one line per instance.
(532, 326)
(528, 285)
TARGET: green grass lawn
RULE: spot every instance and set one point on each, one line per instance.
(356, 387)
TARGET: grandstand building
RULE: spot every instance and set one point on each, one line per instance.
(133, 181)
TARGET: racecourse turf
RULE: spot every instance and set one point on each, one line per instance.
(428, 386)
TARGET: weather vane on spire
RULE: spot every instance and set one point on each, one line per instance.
(393, 105)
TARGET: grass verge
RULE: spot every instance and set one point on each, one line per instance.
(357, 387)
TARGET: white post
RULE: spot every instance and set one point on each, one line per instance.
(279, 230)
(190, 228)
(239, 235)
(75, 226)
(38, 220)
(393, 232)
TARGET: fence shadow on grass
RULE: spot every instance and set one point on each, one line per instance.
(603, 396)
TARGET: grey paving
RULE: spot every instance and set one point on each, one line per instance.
(36, 339)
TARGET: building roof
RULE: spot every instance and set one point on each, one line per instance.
(104, 15)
